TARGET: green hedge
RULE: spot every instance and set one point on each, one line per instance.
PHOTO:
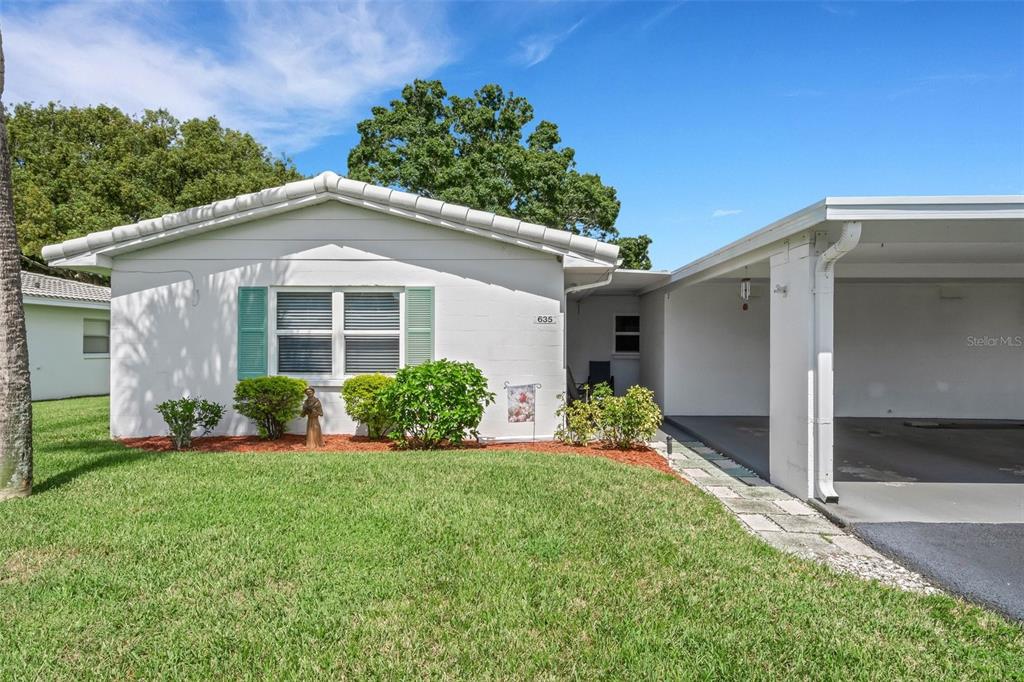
(363, 402)
(437, 403)
(271, 402)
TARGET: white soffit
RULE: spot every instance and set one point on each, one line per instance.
(95, 250)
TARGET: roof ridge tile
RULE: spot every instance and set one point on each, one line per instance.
(218, 213)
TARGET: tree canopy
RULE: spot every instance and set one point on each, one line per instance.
(633, 252)
(77, 170)
(475, 151)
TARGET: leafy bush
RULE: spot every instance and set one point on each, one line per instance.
(629, 420)
(619, 421)
(437, 403)
(362, 395)
(271, 402)
(581, 418)
(184, 415)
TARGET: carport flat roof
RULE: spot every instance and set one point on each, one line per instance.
(851, 209)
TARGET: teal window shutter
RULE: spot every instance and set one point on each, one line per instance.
(419, 325)
(252, 332)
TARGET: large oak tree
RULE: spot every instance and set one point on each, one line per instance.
(476, 151)
(82, 169)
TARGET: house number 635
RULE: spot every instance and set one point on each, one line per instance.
(545, 319)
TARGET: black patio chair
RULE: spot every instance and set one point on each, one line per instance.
(573, 390)
(601, 373)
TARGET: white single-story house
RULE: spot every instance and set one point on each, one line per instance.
(68, 327)
(326, 278)
(329, 277)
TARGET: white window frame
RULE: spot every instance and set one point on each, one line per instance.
(96, 356)
(338, 374)
(616, 334)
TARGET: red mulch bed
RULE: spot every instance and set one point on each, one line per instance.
(296, 443)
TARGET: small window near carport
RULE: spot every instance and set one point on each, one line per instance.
(96, 337)
(627, 333)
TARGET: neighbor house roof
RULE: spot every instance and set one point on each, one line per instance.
(94, 251)
(36, 286)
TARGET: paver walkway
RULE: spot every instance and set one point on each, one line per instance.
(781, 519)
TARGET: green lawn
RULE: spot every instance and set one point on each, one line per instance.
(465, 564)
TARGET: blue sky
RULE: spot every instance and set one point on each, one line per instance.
(711, 119)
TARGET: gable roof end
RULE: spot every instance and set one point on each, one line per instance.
(323, 187)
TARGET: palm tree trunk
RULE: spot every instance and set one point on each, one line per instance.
(15, 389)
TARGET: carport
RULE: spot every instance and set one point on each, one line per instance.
(886, 308)
(868, 354)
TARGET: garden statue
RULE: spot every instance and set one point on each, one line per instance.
(312, 410)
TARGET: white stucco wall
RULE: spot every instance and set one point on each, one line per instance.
(591, 336)
(174, 308)
(918, 349)
(902, 349)
(59, 367)
(652, 344)
(716, 354)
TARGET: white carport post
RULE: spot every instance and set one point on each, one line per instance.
(801, 392)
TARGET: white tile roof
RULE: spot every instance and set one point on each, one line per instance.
(45, 286)
(323, 187)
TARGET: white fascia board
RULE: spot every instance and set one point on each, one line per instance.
(98, 263)
(63, 303)
(1007, 207)
(752, 248)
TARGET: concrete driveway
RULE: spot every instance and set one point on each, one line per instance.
(948, 503)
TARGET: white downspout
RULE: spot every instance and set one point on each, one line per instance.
(824, 313)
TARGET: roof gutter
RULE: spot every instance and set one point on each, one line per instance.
(593, 285)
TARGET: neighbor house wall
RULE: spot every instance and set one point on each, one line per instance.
(590, 322)
(716, 354)
(59, 367)
(919, 350)
(174, 308)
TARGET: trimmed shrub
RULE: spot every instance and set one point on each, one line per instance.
(185, 415)
(271, 402)
(437, 403)
(581, 418)
(620, 421)
(629, 420)
(362, 395)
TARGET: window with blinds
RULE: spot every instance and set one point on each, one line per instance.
(96, 337)
(371, 328)
(304, 324)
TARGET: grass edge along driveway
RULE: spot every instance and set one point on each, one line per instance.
(447, 564)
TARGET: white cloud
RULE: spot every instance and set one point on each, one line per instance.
(538, 47)
(660, 16)
(840, 9)
(723, 212)
(289, 73)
